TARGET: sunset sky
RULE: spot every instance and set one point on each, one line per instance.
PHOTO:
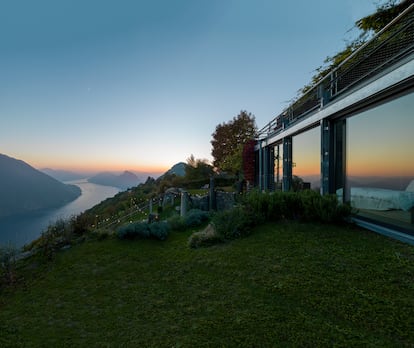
(380, 140)
(141, 85)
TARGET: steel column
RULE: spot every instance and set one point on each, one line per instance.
(326, 156)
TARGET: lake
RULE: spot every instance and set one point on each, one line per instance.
(22, 229)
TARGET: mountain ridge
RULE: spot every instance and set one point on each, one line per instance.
(124, 181)
(63, 175)
(25, 189)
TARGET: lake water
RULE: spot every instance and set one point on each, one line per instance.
(22, 229)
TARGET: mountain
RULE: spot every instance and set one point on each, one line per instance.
(177, 169)
(128, 179)
(123, 181)
(25, 189)
(63, 175)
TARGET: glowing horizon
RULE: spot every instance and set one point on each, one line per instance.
(88, 168)
(106, 167)
(142, 85)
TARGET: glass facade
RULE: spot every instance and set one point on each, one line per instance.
(367, 160)
(306, 159)
(380, 163)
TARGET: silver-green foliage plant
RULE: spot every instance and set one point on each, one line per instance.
(144, 230)
(159, 230)
(196, 217)
(134, 231)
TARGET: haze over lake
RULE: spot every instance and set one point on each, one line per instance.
(22, 229)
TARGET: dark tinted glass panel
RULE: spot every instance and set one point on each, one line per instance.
(306, 149)
(380, 162)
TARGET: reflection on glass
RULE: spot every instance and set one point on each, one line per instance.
(306, 149)
(278, 166)
(380, 162)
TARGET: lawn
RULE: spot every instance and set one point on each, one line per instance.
(284, 285)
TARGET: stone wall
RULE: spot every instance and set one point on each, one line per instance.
(224, 201)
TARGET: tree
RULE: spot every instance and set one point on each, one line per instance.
(385, 13)
(249, 161)
(229, 139)
(368, 26)
(197, 169)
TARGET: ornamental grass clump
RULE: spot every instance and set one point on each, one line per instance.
(330, 210)
(322, 208)
(205, 238)
(305, 206)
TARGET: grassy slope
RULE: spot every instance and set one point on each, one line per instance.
(307, 285)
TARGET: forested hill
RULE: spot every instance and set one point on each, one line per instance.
(25, 189)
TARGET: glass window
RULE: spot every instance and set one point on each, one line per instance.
(278, 166)
(306, 158)
(380, 162)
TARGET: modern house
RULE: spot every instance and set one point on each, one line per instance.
(352, 134)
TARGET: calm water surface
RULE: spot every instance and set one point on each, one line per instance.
(22, 229)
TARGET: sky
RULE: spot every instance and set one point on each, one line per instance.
(92, 85)
(388, 149)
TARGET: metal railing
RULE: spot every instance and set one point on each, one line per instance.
(392, 43)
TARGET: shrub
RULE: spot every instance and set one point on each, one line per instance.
(332, 211)
(80, 223)
(325, 209)
(8, 264)
(176, 223)
(100, 234)
(196, 217)
(266, 206)
(53, 238)
(224, 180)
(292, 206)
(207, 237)
(143, 230)
(305, 205)
(255, 201)
(159, 230)
(234, 223)
(134, 230)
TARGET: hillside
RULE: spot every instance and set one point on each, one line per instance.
(123, 181)
(25, 189)
(63, 175)
(288, 285)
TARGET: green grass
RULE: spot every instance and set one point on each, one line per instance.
(285, 285)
